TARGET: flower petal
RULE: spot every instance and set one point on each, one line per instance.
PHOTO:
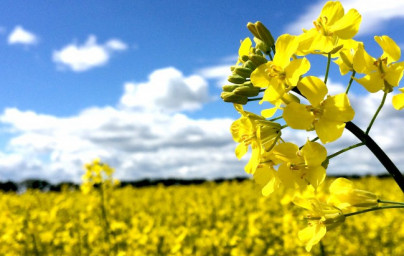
(315, 175)
(333, 11)
(295, 69)
(372, 82)
(329, 131)
(297, 116)
(398, 100)
(338, 108)
(348, 26)
(286, 45)
(286, 152)
(313, 88)
(312, 234)
(313, 153)
(390, 48)
(245, 47)
(362, 61)
(259, 76)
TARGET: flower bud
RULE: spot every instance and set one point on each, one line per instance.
(264, 34)
(249, 91)
(251, 26)
(230, 87)
(257, 59)
(231, 97)
(262, 45)
(244, 72)
(250, 65)
(236, 79)
(343, 194)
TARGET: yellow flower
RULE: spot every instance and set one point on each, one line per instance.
(326, 116)
(383, 73)
(331, 26)
(302, 167)
(280, 75)
(346, 55)
(398, 100)
(266, 176)
(343, 194)
(244, 50)
(255, 131)
(321, 218)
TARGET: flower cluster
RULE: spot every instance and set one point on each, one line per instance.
(280, 70)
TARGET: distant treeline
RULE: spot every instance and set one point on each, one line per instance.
(44, 185)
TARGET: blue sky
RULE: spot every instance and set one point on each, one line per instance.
(137, 83)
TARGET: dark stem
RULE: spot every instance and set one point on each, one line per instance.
(378, 153)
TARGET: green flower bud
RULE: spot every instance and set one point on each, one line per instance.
(250, 65)
(236, 79)
(251, 26)
(230, 87)
(262, 45)
(247, 91)
(264, 34)
(231, 97)
(244, 72)
(257, 59)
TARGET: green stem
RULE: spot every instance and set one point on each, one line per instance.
(270, 55)
(350, 82)
(378, 153)
(322, 249)
(373, 209)
(377, 112)
(284, 126)
(328, 68)
(389, 202)
(345, 149)
(275, 118)
(315, 139)
(253, 99)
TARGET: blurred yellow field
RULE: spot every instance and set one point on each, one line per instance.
(231, 218)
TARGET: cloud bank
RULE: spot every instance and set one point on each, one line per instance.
(150, 135)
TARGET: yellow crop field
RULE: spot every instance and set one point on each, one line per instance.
(231, 218)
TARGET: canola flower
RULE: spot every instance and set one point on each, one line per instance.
(229, 218)
(285, 80)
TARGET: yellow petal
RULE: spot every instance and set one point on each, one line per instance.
(259, 76)
(313, 153)
(390, 48)
(372, 82)
(297, 116)
(315, 175)
(312, 234)
(339, 185)
(398, 100)
(329, 131)
(333, 11)
(241, 150)
(245, 47)
(286, 152)
(274, 92)
(362, 61)
(394, 73)
(313, 88)
(286, 46)
(287, 176)
(295, 69)
(348, 26)
(338, 108)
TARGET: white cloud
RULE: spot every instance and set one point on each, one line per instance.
(374, 14)
(80, 58)
(21, 36)
(168, 90)
(143, 141)
(218, 73)
(139, 141)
